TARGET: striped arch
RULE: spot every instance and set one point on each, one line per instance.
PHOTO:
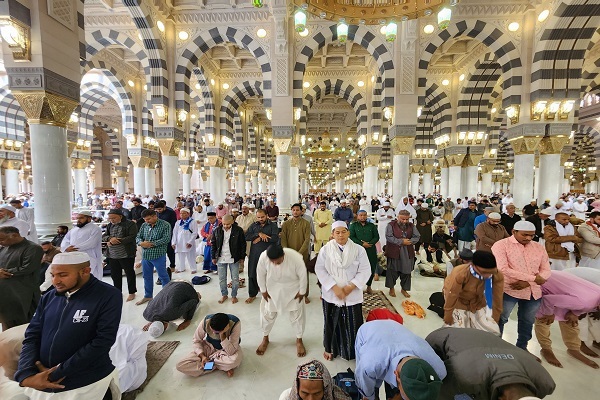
(114, 143)
(13, 120)
(437, 104)
(233, 101)
(147, 123)
(424, 133)
(141, 13)
(207, 98)
(506, 153)
(495, 121)
(587, 140)
(560, 51)
(358, 34)
(498, 42)
(252, 150)
(590, 78)
(474, 101)
(376, 108)
(197, 126)
(98, 86)
(204, 42)
(239, 145)
(343, 90)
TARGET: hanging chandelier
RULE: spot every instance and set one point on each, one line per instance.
(377, 12)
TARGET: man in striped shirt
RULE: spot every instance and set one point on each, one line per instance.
(154, 237)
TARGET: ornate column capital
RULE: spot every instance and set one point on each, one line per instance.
(371, 160)
(42, 107)
(216, 161)
(553, 144)
(139, 161)
(78, 163)
(169, 139)
(402, 145)
(186, 169)
(13, 164)
(525, 144)
(240, 168)
(472, 160)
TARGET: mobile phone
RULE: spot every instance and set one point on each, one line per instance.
(209, 365)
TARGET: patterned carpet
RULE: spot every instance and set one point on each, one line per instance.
(156, 356)
(376, 300)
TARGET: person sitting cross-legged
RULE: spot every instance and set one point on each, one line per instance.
(217, 339)
(432, 260)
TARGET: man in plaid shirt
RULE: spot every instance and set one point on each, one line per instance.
(154, 236)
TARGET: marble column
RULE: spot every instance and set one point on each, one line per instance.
(401, 148)
(444, 175)
(80, 178)
(486, 183)
(370, 181)
(218, 184)
(264, 185)
(427, 183)
(593, 185)
(186, 184)
(303, 186)
(170, 165)
(283, 186)
(524, 179)
(241, 184)
(454, 177)
(11, 177)
(550, 179)
(294, 180)
(139, 181)
(328, 187)
(150, 179)
(414, 184)
(471, 181)
(121, 184)
(51, 169)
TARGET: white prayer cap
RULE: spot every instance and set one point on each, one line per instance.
(343, 201)
(156, 329)
(8, 208)
(251, 206)
(546, 211)
(524, 226)
(339, 224)
(72, 258)
(245, 205)
(187, 210)
(494, 215)
(235, 209)
(386, 203)
(85, 212)
(580, 198)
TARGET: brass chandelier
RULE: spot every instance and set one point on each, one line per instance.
(371, 12)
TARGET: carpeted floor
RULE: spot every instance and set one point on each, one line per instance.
(377, 299)
(156, 356)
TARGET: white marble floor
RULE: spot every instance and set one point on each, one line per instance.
(265, 377)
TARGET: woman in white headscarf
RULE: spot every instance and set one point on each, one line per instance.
(404, 204)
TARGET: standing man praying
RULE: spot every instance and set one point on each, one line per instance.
(365, 234)
(87, 237)
(295, 234)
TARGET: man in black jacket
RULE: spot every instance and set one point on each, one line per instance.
(136, 212)
(481, 365)
(120, 251)
(540, 220)
(228, 247)
(67, 343)
(167, 214)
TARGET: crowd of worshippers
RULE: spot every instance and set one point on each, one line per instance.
(547, 265)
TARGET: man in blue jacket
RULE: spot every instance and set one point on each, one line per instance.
(343, 213)
(67, 343)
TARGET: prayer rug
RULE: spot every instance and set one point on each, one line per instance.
(156, 356)
(377, 299)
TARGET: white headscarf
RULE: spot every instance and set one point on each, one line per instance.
(338, 261)
(401, 206)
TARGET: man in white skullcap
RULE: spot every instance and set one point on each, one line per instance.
(560, 238)
(86, 237)
(489, 232)
(65, 353)
(8, 218)
(385, 215)
(525, 266)
(183, 241)
(26, 214)
(580, 207)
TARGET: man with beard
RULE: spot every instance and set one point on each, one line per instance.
(61, 232)
(323, 219)
(66, 346)
(26, 214)
(136, 212)
(262, 234)
(85, 237)
(7, 218)
(295, 234)
(401, 236)
(167, 214)
(385, 215)
(423, 222)
(20, 261)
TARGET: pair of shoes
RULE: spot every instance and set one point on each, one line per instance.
(158, 282)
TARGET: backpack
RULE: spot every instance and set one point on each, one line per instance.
(436, 303)
(346, 381)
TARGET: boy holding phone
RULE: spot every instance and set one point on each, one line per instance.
(216, 346)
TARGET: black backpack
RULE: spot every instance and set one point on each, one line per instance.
(346, 381)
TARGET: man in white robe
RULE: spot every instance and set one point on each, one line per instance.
(7, 218)
(282, 278)
(184, 241)
(404, 204)
(26, 214)
(87, 237)
(580, 207)
(128, 355)
(385, 215)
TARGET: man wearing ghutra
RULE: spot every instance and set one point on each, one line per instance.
(184, 241)
(469, 289)
(313, 381)
(343, 269)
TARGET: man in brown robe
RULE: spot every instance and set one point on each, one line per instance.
(295, 234)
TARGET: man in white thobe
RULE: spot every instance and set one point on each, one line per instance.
(385, 215)
(184, 241)
(87, 237)
(282, 278)
(26, 214)
(128, 355)
(580, 207)
(7, 218)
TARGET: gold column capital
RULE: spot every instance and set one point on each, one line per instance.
(525, 144)
(415, 169)
(186, 169)
(169, 147)
(553, 144)
(240, 169)
(455, 160)
(215, 161)
(402, 145)
(13, 164)
(282, 145)
(371, 160)
(473, 159)
(428, 168)
(443, 163)
(78, 163)
(42, 107)
(139, 161)
(295, 161)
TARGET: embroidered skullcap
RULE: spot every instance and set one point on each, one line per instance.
(187, 210)
(546, 211)
(8, 207)
(343, 201)
(312, 371)
(85, 212)
(252, 206)
(494, 215)
(524, 226)
(386, 203)
(156, 329)
(72, 258)
(339, 224)
(440, 222)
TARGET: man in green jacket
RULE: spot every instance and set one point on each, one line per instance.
(365, 233)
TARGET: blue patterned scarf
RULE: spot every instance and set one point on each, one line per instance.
(488, 286)
(186, 224)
